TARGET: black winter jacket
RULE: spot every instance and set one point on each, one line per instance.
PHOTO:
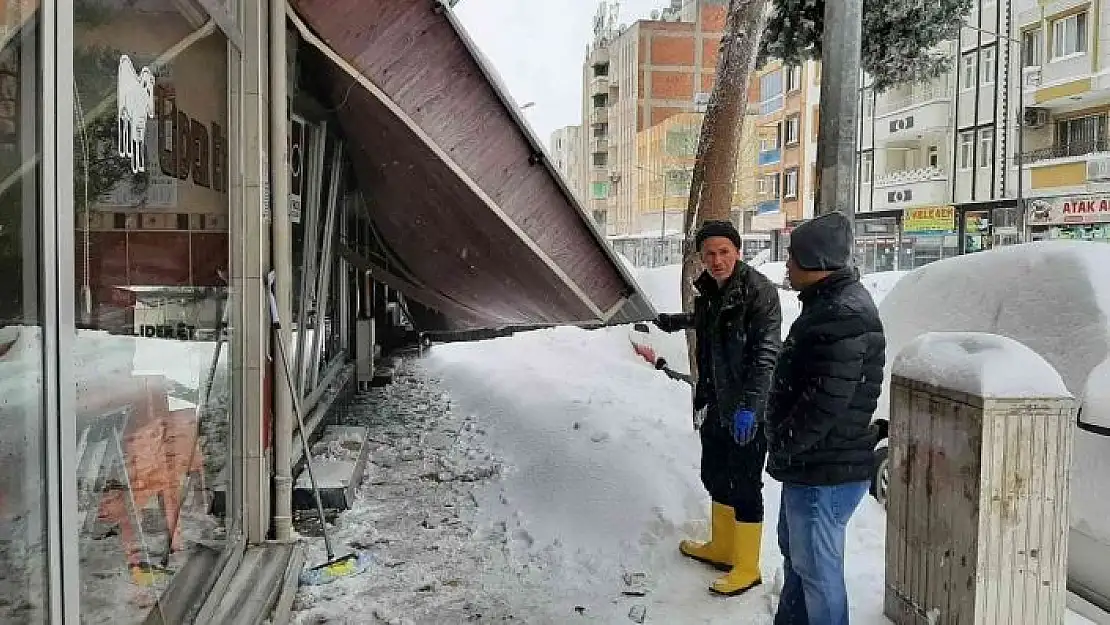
(739, 332)
(826, 386)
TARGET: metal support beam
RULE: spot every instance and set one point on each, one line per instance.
(282, 258)
(250, 260)
(837, 133)
(327, 260)
(314, 173)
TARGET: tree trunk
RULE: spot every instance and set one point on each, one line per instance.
(713, 179)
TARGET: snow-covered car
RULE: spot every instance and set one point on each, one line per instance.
(1053, 297)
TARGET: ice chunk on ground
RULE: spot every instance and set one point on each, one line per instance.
(980, 364)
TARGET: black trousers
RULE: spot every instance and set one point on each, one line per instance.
(732, 473)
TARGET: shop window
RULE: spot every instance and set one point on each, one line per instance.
(1069, 35)
(153, 420)
(24, 490)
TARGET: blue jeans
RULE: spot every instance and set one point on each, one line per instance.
(812, 524)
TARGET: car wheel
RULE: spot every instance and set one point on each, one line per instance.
(880, 479)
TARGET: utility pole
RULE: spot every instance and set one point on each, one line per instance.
(837, 135)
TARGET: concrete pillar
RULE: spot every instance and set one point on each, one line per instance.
(838, 129)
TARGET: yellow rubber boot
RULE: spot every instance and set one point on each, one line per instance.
(745, 573)
(718, 551)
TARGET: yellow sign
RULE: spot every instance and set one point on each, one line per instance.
(929, 220)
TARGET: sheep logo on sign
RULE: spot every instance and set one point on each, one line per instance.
(134, 105)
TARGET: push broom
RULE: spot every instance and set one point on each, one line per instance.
(335, 567)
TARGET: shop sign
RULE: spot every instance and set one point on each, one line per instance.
(180, 331)
(1069, 210)
(929, 221)
(188, 148)
(134, 105)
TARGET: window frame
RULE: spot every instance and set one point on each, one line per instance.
(1060, 36)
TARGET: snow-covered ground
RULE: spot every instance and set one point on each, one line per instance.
(523, 478)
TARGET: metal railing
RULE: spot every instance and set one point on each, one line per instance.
(910, 176)
(1064, 150)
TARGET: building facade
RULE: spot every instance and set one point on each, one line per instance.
(565, 147)
(787, 147)
(937, 173)
(1066, 154)
(635, 77)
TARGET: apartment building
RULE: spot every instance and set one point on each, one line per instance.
(1065, 153)
(635, 77)
(937, 174)
(665, 164)
(566, 149)
(787, 152)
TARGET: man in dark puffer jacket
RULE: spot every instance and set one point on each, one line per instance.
(825, 390)
(737, 321)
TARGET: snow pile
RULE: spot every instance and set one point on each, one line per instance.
(880, 283)
(602, 480)
(979, 364)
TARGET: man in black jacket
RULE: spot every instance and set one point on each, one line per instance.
(737, 320)
(825, 390)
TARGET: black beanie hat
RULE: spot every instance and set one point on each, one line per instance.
(724, 229)
(823, 244)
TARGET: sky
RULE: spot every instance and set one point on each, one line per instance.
(538, 46)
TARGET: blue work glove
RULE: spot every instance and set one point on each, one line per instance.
(743, 426)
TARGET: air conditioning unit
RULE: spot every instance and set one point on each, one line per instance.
(1098, 170)
(1035, 117)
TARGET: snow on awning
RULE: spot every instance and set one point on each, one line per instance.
(460, 189)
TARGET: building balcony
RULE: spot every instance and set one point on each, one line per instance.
(599, 115)
(889, 104)
(1068, 150)
(599, 85)
(929, 118)
(771, 105)
(909, 176)
(770, 157)
(923, 192)
(767, 207)
(599, 144)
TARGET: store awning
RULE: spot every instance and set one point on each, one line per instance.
(460, 189)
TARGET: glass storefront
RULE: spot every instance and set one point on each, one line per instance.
(151, 291)
(24, 491)
(877, 244)
(977, 231)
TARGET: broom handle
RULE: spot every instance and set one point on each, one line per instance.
(297, 412)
